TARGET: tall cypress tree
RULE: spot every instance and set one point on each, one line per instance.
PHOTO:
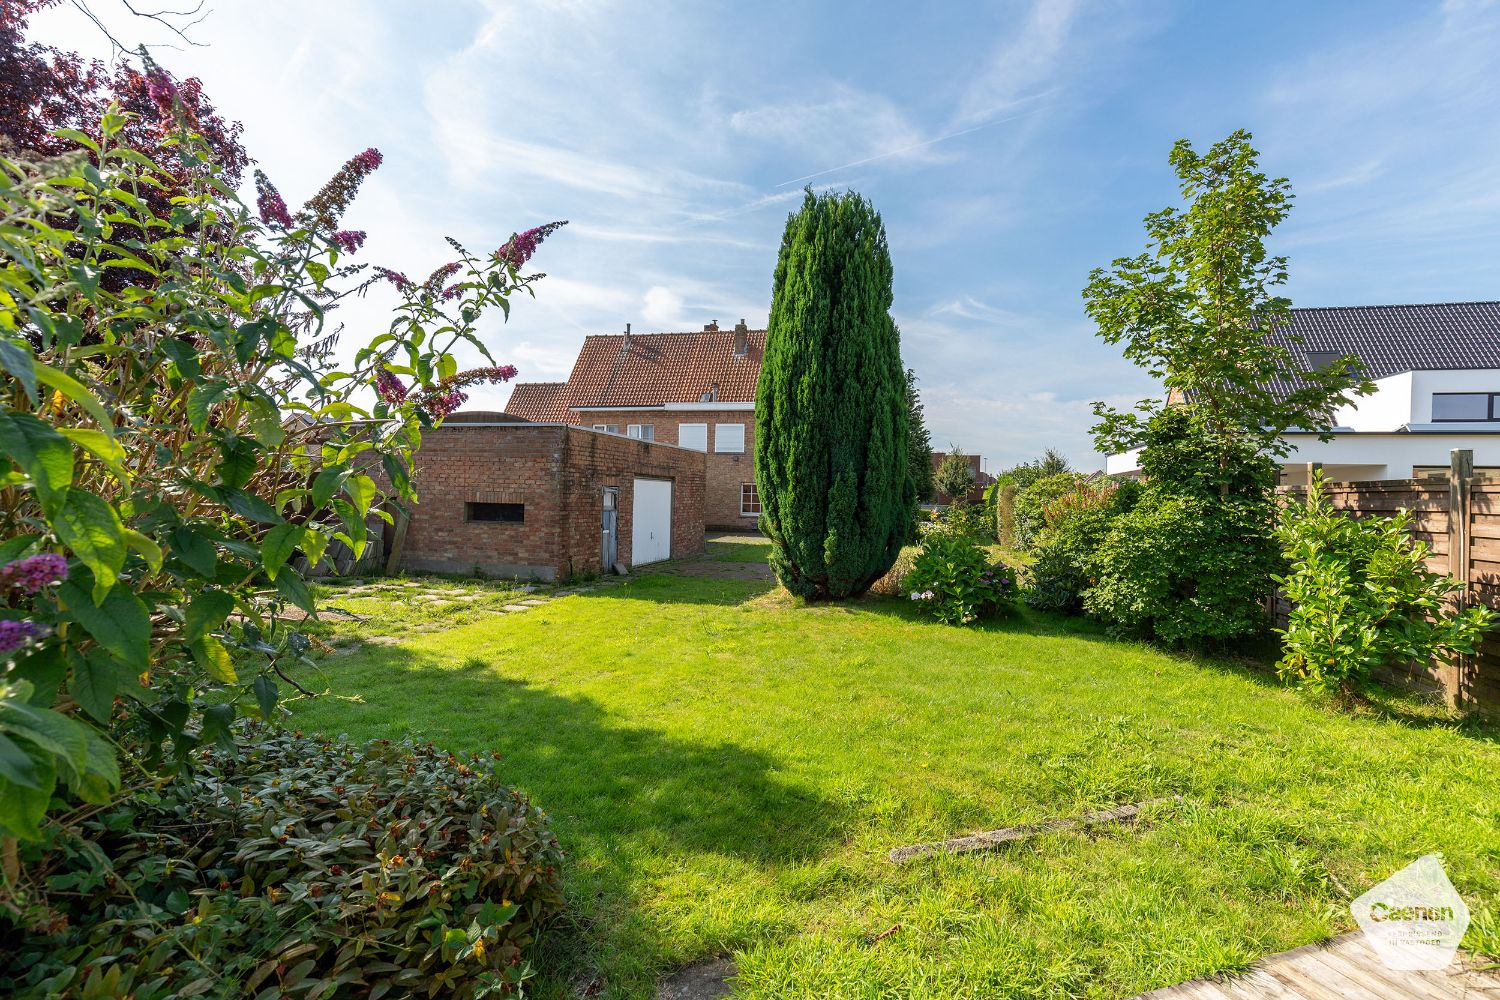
(831, 413)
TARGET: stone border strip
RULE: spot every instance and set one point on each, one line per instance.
(993, 840)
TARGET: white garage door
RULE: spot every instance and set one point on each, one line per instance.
(651, 522)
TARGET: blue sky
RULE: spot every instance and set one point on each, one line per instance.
(1010, 147)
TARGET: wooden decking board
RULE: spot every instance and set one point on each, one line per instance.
(1345, 968)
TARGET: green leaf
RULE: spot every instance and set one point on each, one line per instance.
(265, 696)
(22, 808)
(182, 354)
(90, 527)
(313, 544)
(201, 400)
(195, 551)
(100, 779)
(42, 453)
(326, 484)
(237, 462)
(291, 586)
(215, 659)
(93, 685)
(361, 491)
(74, 390)
(265, 421)
(208, 611)
(278, 545)
(251, 507)
(19, 364)
(119, 623)
(145, 547)
(99, 444)
(16, 765)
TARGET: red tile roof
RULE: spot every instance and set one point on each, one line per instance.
(656, 368)
(540, 402)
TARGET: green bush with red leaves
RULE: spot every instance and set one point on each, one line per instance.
(300, 867)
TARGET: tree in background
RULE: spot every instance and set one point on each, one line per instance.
(831, 431)
(1193, 311)
(955, 477)
(48, 89)
(1190, 564)
(918, 443)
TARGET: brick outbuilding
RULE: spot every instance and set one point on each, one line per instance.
(546, 500)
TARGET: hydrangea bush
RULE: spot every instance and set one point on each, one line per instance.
(954, 579)
(169, 446)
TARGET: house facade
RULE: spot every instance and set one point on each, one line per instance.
(692, 390)
(1436, 370)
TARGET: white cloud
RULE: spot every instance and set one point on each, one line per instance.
(662, 309)
(1023, 64)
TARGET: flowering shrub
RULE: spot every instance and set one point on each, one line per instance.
(964, 518)
(301, 867)
(1362, 597)
(953, 579)
(168, 445)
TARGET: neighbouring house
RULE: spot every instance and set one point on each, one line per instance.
(548, 501)
(1436, 370)
(692, 390)
(982, 479)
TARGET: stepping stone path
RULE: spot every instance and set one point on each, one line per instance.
(708, 980)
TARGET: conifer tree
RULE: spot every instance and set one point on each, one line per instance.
(831, 409)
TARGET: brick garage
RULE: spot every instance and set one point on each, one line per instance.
(546, 484)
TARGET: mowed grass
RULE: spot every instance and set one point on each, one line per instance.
(727, 771)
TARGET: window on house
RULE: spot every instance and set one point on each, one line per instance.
(694, 436)
(511, 513)
(1465, 406)
(749, 500)
(611, 428)
(729, 438)
(645, 432)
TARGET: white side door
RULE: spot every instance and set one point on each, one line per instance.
(651, 521)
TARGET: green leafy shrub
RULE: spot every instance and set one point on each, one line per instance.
(1065, 558)
(174, 447)
(964, 518)
(1193, 562)
(1186, 570)
(953, 578)
(1362, 597)
(1029, 507)
(301, 867)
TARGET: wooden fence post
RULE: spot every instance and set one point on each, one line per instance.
(1458, 678)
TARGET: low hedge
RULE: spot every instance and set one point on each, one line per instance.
(301, 867)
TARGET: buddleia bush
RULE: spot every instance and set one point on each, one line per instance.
(303, 867)
(173, 447)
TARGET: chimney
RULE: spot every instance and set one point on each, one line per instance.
(711, 327)
(741, 339)
(625, 341)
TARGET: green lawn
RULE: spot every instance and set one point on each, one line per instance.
(727, 771)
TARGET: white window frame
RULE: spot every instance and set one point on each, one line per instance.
(641, 432)
(608, 428)
(697, 431)
(756, 491)
(733, 446)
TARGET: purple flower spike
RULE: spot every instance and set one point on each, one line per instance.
(349, 240)
(15, 634)
(31, 574)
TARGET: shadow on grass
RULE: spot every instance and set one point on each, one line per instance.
(610, 783)
(622, 797)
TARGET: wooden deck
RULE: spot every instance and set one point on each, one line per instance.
(1342, 969)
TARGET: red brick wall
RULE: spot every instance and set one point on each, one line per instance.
(559, 474)
(726, 472)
